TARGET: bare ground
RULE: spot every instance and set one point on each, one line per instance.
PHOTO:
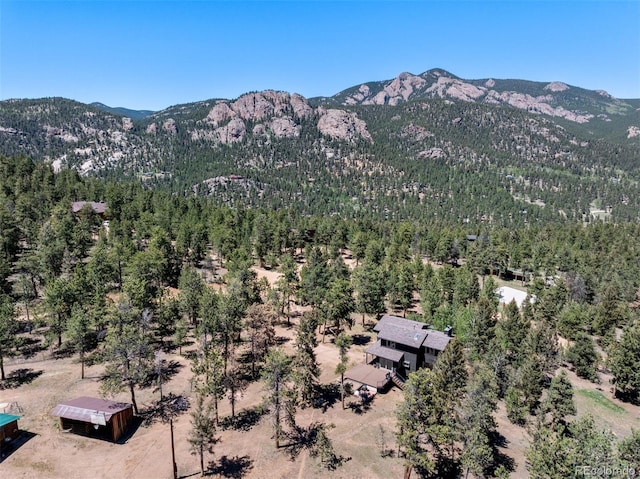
(247, 452)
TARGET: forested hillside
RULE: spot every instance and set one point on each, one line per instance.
(417, 147)
(159, 272)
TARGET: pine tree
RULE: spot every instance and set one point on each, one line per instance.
(304, 368)
(7, 329)
(477, 423)
(79, 329)
(129, 358)
(582, 354)
(203, 428)
(417, 433)
(343, 342)
(559, 401)
(624, 362)
(276, 375)
(259, 322)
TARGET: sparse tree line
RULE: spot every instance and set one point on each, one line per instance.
(84, 283)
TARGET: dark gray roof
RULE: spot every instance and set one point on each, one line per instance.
(436, 340)
(88, 409)
(389, 320)
(410, 333)
(409, 337)
(382, 352)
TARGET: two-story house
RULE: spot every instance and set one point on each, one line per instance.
(403, 345)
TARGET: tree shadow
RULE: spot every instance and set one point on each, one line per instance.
(280, 340)
(235, 467)
(19, 377)
(128, 434)
(313, 439)
(165, 409)
(64, 352)
(327, 396)
(244, 420)
(299, 439)
(360, 406)
(30, 346)
(498, 440)
(168, 369)
(360, 339)
(501, 459)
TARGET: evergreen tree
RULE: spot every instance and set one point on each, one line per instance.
(276, 375)
(7, 329)
(624, 362)
(582, 354)
(305, 369)
(369, 286)
(129, 358)
(559, 401)
(417, 424)
(259, 322)
(203, 428)
(477, 423)
(191, 288)
(629, 451)
(79, 330)
(343, 342)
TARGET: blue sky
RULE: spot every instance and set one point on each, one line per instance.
(151, 54)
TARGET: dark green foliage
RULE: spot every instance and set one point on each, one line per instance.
(7, 329)
(517, 410)
(559, 401)
(477, 423)
(305, 368)
(582, 354)
(511, 332)
(624, 362)
(203, 428)
(343, 343)
(276, 374)
(418, 430)
(191, 287)
(128, 354)
(573, 451)
(370, 289)
(79, 331)
(629, 451)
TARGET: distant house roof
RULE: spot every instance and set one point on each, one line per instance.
(507, 294)
(382, 352)
(98, 208)
(88, 409)
(7, 419)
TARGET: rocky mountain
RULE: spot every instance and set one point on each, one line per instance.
(554, 99)
(415, 146)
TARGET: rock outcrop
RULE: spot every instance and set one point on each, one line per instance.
(342, 125)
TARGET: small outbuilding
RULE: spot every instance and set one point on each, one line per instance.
(8, 427)
(95, 417)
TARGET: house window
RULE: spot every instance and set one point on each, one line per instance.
(391, 344)
(406, 364)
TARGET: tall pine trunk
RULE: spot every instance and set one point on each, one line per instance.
(133, 398)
